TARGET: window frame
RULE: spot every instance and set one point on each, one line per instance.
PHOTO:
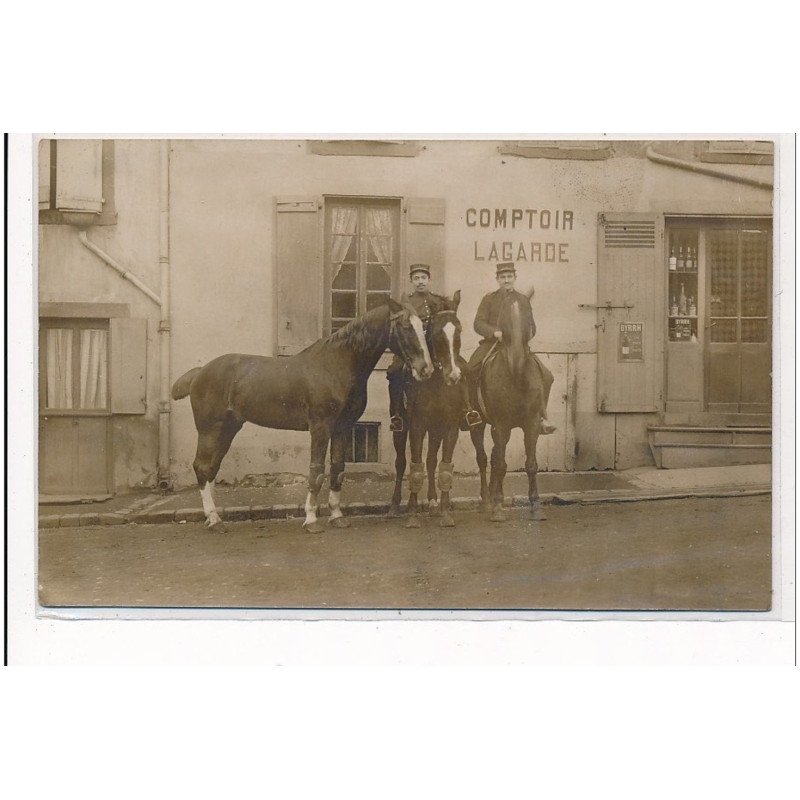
(75, 324)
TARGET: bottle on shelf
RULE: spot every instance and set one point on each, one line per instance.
(681, 261)
(673, 309)
(682, 301)
(692, 307)
(673, 260)
(690, 262)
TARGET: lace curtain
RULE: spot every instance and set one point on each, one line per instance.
(344, 222)
(94, 360)
(93, 370)
(58, 342)
(379, 231)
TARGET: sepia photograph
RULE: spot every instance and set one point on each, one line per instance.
(467, 374)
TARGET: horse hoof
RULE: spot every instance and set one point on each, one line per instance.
(217, 527)
(537, 514)
(339, 522)
(447, 521)
(434, 510)
(498, 515)
(313, 527)
(394, 511)
(413, 522)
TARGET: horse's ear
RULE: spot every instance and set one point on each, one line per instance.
(456, 300)
(394, 306)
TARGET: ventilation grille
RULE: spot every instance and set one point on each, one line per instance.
(630, 234)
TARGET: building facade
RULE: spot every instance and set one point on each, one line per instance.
(651, 260)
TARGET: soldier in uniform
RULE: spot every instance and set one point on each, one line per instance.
(487, 325)
(425, 304)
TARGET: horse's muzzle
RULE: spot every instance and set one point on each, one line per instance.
(452, 377)
(422, 374)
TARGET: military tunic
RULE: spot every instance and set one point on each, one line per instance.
(487, 320)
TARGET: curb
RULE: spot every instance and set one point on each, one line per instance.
(359, 509)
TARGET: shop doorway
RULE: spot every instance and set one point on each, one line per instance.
(738, 352)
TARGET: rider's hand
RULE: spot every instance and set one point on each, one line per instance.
(498, 335)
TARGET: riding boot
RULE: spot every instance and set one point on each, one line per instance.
(547, 383)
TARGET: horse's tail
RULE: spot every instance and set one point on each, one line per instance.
(183, 385)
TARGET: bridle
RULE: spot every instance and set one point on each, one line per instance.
(394, 322)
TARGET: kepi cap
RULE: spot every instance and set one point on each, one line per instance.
(419, 268)
(506, 266)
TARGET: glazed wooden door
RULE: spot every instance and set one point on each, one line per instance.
(739, 319)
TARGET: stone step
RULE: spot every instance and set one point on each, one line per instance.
(679, 446)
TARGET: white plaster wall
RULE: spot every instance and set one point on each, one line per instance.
(222, 221)
(68, 272)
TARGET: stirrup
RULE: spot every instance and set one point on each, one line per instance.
(396, 424)
(473, 418)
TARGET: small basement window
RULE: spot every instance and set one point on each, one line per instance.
(364, 443)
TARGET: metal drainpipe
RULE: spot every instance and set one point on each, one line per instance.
(126, 274)
(164, 406)
(691, 166)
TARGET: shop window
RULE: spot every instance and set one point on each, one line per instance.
(76, 182)
(364, 443)
(682, 256)
(361, 255)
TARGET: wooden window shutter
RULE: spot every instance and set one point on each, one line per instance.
(44, 174)
(298, 273)
(128, 369)
(424, 236)
(79, 175)
(630, 276)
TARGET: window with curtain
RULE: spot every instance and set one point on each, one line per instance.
(362, 255)
(74, 365)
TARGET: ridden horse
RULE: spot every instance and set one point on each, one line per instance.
(510, 393)
(436, 408)
(323, 390)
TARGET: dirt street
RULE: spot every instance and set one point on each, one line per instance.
(690, 554)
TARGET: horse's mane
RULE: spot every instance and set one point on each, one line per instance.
(358, 334)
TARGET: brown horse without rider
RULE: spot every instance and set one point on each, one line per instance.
(434, 408)
(323, 390)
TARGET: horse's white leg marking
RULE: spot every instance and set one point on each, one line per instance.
(450, 332)
(311, 509)
(334, 503)
(209, 509)
(416, 323)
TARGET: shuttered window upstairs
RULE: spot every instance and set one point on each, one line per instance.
(76, 181)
